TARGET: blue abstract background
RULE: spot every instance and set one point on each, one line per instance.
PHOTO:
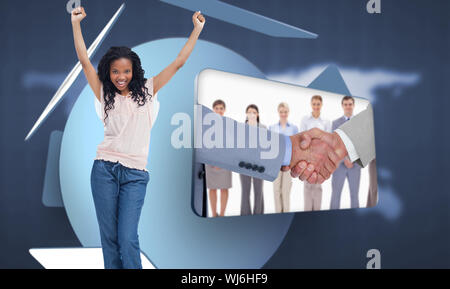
(398, 59)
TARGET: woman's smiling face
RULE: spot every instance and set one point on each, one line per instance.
(121, 73)
(252, 114)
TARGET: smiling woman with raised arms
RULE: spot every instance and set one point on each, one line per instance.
(119, 176)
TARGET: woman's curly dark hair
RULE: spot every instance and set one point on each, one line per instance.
(136, 85)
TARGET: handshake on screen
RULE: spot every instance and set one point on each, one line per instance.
(315, 155)
(311, 155)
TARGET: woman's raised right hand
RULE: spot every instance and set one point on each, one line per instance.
(78, 14)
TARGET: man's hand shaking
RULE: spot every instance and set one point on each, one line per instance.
(315, 155)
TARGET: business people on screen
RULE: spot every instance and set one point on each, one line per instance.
(311, 155)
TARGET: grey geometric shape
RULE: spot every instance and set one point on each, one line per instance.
(243, 18)
(51, 193)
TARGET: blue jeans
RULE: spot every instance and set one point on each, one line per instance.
(118, 193)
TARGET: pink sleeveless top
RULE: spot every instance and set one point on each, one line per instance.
(127, 129)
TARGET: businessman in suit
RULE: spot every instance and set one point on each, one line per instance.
(346, 169)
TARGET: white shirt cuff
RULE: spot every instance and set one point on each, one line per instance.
(352, 154)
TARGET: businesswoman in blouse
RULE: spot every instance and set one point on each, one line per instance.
(283, 183)
(252, 119)
(218, 178)
(312, 193)
(119, 176)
